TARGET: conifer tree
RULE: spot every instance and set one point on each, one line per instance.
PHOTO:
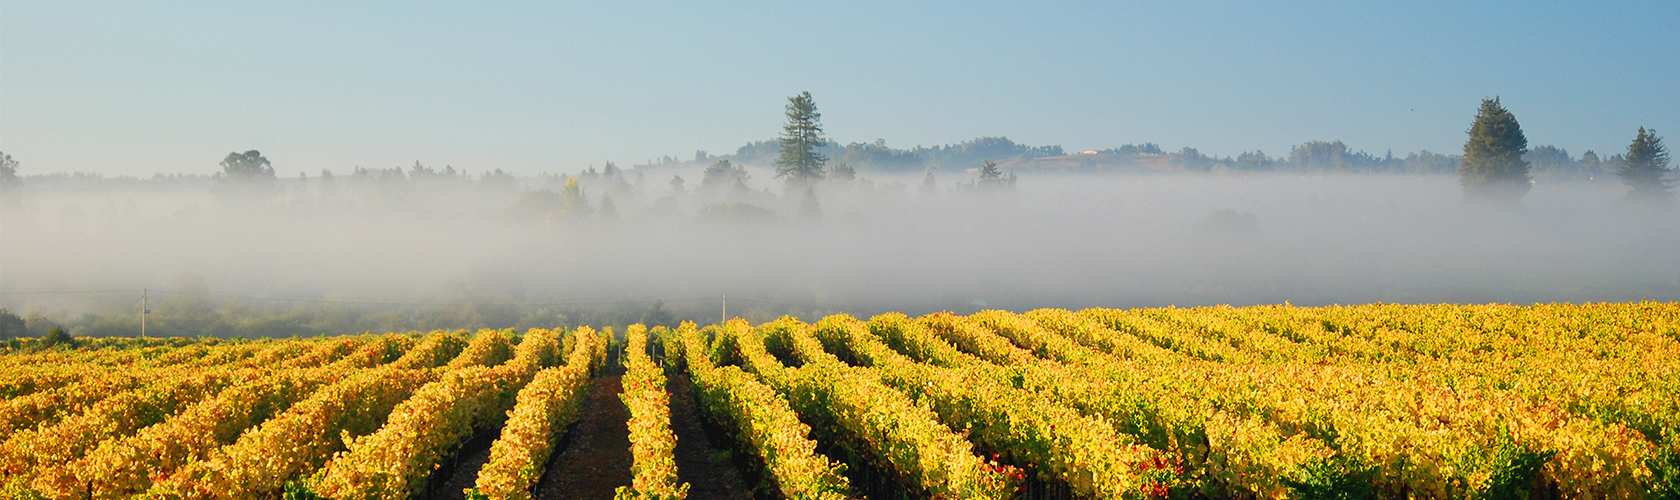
(1493, 168)
(799, 162)
(1591, 164)
(990, 173)
(1645, 170)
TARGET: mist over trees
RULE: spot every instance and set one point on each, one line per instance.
(1493, 168)
(12, 325)
(250, 165)
(542, 249)
(723, 175)
(1645, 170)
(8, 170)
(991, 178)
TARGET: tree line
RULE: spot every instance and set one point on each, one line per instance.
(802, 154)
(1495, 166)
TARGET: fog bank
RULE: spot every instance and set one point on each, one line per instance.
(867, 246)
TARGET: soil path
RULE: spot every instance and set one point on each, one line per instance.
(596, 459)
(593, 458)
(708, 474)
(462, 471)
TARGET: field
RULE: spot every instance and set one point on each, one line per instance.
(1376, 401)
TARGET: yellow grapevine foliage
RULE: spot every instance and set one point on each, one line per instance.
(1223, 454)
(120, 468)
(1060, 442)
(28, 452)
(396, 460)
(434, 349)
(1405, 411)
(1367, 401)
(306, 434)
(46, 447)
(891, 428)
(764, 421)
(545, 407)
(654, 471)
(260, 463)
(488, 348)
(97, 381)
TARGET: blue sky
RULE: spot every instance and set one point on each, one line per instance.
(136, 88)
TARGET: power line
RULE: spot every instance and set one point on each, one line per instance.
(385, 302)
(53, 291)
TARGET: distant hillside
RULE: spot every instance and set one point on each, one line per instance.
(1549, 162)
(1107, 162)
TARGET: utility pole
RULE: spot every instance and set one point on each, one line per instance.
(145, 309)
(725, 309)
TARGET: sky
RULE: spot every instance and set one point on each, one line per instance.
(138, 88)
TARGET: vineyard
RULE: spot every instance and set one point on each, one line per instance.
(1344, 402)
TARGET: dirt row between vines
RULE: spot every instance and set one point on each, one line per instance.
(593, 458)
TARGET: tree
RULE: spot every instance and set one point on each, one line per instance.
(57, 337)
(722, 174)
(930, 185)
(1645, 169)
(573, 202)
(799, 162)
(656, 315)
(247, 180)
(1493, 168)
(1591, 164)
(1550, 161)
(8, 170)
(990, 173)
(497, 179)
(247, 165)
(1254, 160)
(534, 205)
(1191, 159)
(11, 325)
(992, 178)
(608, 210)
(843, 172)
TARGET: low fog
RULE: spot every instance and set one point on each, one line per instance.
(72, 248)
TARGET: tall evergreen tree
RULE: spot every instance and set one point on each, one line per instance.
(799, 162)
(1493, 168)
(1645, 171)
